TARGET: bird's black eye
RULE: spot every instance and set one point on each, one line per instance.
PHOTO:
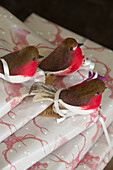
(71, 49)
(84, 61)
(98, 92)
(34, 59)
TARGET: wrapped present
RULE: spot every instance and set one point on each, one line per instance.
(42, 135)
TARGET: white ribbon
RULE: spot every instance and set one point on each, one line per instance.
(87, 65)
(67, 113)
(70, 110)
(10, 78)
(95, 76)
(39, 76)
(56, 104)
(5, 68)
(105, 131)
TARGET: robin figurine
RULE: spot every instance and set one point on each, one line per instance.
(65, 59)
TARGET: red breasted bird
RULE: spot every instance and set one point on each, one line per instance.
(83, 96)
(86, 95)
(65, 59)
(19, 66)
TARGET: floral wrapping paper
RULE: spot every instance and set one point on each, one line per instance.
(19, 149)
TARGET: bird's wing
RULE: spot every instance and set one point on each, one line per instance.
(56, 61)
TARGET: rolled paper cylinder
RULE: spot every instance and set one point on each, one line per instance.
(65, 59)
(19, 66)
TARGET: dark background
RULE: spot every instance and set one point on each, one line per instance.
(90, 18)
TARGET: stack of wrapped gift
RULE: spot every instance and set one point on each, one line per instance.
(52, 119)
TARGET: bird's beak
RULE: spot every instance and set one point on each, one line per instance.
(79, 44)
(40, 56)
